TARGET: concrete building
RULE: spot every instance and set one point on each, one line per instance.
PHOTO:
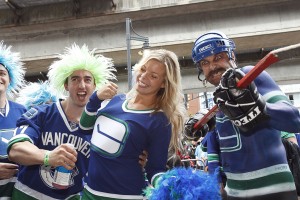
(41, 29)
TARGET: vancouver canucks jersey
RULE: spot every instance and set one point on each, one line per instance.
(211, 143)
(47, 127)
(256, 164)
(13, 112)
(119, 137)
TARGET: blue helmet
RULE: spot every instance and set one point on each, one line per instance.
(212, 43)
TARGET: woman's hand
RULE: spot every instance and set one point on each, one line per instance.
(108, 91)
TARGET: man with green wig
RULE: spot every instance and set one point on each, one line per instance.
(44, 132)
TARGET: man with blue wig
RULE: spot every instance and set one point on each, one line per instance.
(11, 80)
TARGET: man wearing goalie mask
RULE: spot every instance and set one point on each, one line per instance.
(248, 123)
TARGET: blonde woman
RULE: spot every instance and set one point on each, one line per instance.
(150, 117)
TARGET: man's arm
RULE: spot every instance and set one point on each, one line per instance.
(26, 153)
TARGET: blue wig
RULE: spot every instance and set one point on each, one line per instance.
(37, 93)
(185, 184)
(12, 62)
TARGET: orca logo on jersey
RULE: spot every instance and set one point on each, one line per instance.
(109, 136)
(248, 118)
(5, 136)
(47, 175)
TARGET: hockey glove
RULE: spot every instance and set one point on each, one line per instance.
(193, 134)
(244, 107)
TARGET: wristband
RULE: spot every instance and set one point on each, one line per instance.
(46, 158)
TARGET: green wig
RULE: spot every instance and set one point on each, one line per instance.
(12, 63)
(76, 58)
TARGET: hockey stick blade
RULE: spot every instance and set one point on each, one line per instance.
(272, 57)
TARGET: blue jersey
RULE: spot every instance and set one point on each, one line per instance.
(119, 137)
(13, 112)
(47, 127)
(210, 143)
(256, 164)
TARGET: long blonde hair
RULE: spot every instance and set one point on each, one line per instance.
(170, 99)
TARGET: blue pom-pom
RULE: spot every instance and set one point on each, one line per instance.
(185, 184)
